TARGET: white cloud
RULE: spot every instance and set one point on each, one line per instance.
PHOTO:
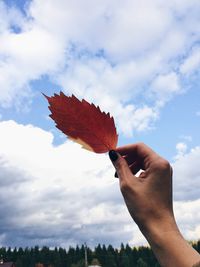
(188, 217)
(186, 173)
(64, 195)
(9, 18)
(111, 88)
(111, 56)
(137, 118)
(192, 62)
(65, 189)
(25, 57)
(181, 149)
(164, 87)
(108, 26)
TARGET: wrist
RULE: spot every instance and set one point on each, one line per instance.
(159, 226)
(168, 244)
(157, 231)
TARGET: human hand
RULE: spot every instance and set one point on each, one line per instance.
(149, 196)
(149, 200)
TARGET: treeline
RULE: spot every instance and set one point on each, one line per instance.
(106, 256)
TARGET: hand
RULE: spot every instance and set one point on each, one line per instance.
(149, 200)
(149, 196)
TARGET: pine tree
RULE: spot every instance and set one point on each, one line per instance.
(124, 259)
(110, 260)
(141, 263)
(98, 253)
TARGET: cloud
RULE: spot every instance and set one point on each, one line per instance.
(187, 138)
(192, 62)
(60, 195)
(10, 18)
(164, 87)
(24, 57)
(125, 56)
(186, 173)
(181, 148)
(187, 215)
(64, 195)
(111, 88)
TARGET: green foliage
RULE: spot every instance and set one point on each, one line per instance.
(104, 256)
(141, 263)
(81, 263)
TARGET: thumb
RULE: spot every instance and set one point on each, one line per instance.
(120, 164)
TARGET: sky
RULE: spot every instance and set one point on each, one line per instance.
(138, 60)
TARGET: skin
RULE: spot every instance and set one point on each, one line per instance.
(149, 201)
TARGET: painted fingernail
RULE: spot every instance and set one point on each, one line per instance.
(113, 155)
(116, 175)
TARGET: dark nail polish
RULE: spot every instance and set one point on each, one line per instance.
(113, 155)
(116, 175)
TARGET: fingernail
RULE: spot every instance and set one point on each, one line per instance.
(116, 175)
(113, 155)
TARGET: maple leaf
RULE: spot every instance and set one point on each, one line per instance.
(83, 122)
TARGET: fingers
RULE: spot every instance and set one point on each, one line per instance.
(140, 153)
(134, 167)
(121, 166)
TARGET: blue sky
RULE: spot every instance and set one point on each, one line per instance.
(140, 62)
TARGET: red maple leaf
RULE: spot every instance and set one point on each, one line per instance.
(83, 122)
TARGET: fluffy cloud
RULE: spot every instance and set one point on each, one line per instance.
(187, 215)
(56, 195)
(164, 87)
(64, 195)
(109, 57)
(186, 177)
(186, 173)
